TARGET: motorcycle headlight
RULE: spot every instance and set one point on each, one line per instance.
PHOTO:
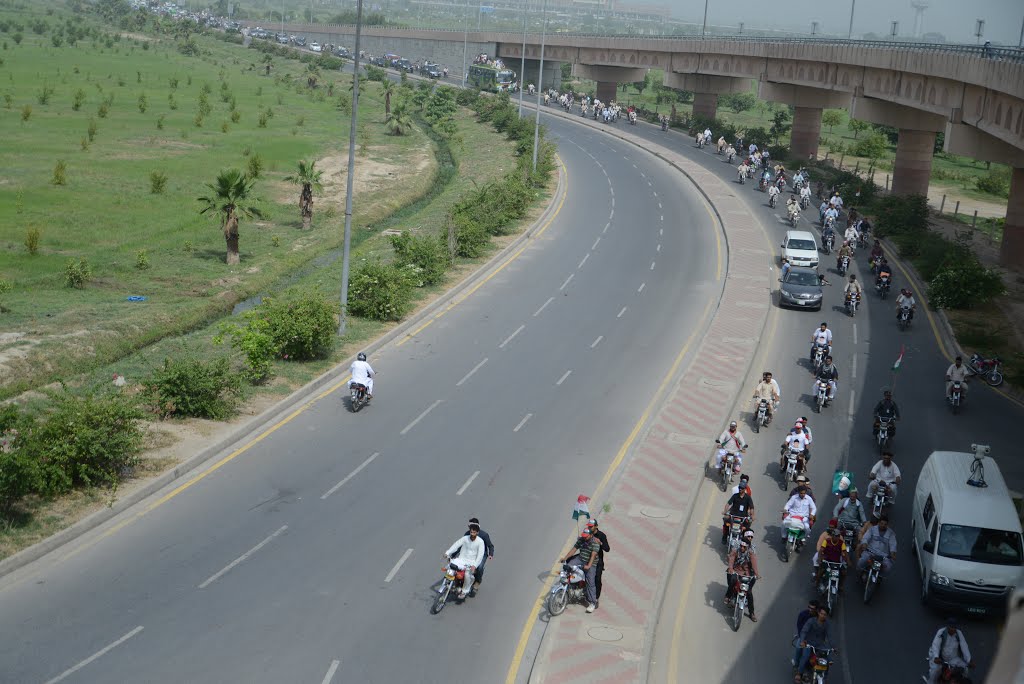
(940, 580)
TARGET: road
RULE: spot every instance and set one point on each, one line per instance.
(887, 640)
(311, 555)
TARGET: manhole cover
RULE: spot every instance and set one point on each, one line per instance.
(653, 513)
(604, 634)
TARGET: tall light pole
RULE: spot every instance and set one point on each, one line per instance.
(853, 5)
(540, 83)
(522, 61)
(814, 28)
(894, 29)
(282, 17)
(351, 171)
(465, 42)
(979, 29)
(704, 28)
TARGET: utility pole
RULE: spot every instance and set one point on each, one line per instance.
(465, 42)
(704, 28)
(351, 172)
(979, 29)
(522, 62)
(853, 5)
(540, 82)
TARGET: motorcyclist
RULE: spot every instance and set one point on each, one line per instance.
(803, 424)
(957, 371)
(803, 481)
(767, 390)
(732, 442)
(885, 471)
(831, 548)
(851, 235)
(739, 505)
(829, 374)
(805, 195)
(816, 633)
(742, 561)
(362, 374)
(589, 550)
(470, 552)
(802, 506)
(773, 194)
(796, 441)
(792, 207)
(948, 646)
(850, 512)
(886, 408)
(830, 216)
(744, 486)
(821, 337)
(880, 542)
(876, 251)
(845, 251)
(826, 233)
(905, 299)
(853, 290)
(488, 554)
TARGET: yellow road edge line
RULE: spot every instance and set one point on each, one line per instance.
(524, 635)
(458, 300)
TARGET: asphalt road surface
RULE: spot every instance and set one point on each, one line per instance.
(888, 640)
(311, 556)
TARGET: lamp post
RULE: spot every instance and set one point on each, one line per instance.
(704, 28)
(540, 83)
(979, 29)
(465, 42)
(853, 5)
(894, 29)
(351, 171)
(522, 61)
(814, 28)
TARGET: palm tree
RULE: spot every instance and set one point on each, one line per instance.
(388, 88)
(399, 121)
(229, 196)
(312, 74)
(309, 178)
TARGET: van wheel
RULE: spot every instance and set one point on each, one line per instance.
(924, 589)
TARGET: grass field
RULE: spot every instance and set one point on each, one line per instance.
(157, 245)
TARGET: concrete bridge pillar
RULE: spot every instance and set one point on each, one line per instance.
(808, 104)
(806, 132)
(705, 105)
(608, 78)
(705, 89)
(1011, 253)
(912, 169)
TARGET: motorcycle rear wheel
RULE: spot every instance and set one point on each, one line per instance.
(557, 602)
(441, 600)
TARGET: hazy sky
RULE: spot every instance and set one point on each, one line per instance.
(953, 18)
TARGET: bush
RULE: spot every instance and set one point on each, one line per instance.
(77, 273)
(157, 182)
(142, 260)
(997, 182)
(380, 291)
(32, 237)
(255, 342)
(5, 287)
(60, 173)
(26, 113)
(254, 167)
(496, 205)
(20, 475)
(964, 284)
(901, 214)
(303, 325)
(191, 387)
(428, 253)
(471, 238)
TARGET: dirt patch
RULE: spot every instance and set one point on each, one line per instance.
(166, 144)
(18, 346)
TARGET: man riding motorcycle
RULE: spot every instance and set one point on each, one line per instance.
(767, 390)
(739, 505)
(362, 374)
(853, 290)
(905, 299)
(742, 562)
(829, 374)
(801, 506)
(845, 251)
(832, 549)
(876, 252)
(880, 542)
(884, 471)
(949, 646)
(821, 337)
(957, 372)
(732, 442)
(470, 550)
(792, 208)
(850, 512)
(886, 408)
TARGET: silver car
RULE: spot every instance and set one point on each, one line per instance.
(800, 288)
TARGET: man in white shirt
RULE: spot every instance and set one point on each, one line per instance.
(471, 551)
(948, 646)
(851, 235)
(836, 201)
(885, 470)
(957, 371)
(830, 214)
(362, 374)
(773, 193)
(732, 442)
(801, 506)
(822, 337)
(707, 136)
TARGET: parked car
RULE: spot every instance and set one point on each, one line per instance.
(800, 288)
(299, 40)
(282, 38)
(315, 47)
(433, 72)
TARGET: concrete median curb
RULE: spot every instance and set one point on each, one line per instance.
(294, 401)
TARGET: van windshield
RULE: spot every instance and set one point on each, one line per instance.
(981, 545)
(805, 245)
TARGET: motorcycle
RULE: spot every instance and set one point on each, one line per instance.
(763, 417)
(828, 587)
(951, 674)
(852, 303)
(882, 286)
(794, 216)
(829, 223)
(830, 242)
(876, 264)
(883, 433)
(762, 185)
(571, 586)
(904, 321)
(740, 602)
(735, 530)
(872, 578)
(664, 125)
(357, 396)
(849, 534)
(844, 264)
(819, 357)
(821, 660)
(632, 118)
(988, 369)
(805, 201)
(730, 156)
(772, 200)
(883, 499)
(794, 526)
(792, 463)
(726, 469)
(452, 579)
(820, 395)
(956, 396)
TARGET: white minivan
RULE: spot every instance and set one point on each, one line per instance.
(800, 248)
(966, 533)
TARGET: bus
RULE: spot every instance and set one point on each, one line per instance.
(490, 78)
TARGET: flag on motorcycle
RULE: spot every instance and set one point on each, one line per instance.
(581, 510)
(899, 360)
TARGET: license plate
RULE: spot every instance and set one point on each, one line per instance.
(450, 576)
(977, 611)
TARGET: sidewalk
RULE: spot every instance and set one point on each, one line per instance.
(652, 498)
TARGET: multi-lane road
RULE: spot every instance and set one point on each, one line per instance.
(311, 555)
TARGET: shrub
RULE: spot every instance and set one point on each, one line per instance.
(428, 253)
(471, 238)
(963, 284)
(103, 110)
(302, 325)
(197, 120)
(262, 122)
(5, 287)
(77, 273)
(143, 103)
(191, 387)
(32, 237)
(44, 95)
(997, 182)
(20, 474)
(92, 129)
(157, 182)
(901, 214)
(254, 167)
(60, 173)
(171, 102)
(142, 260)
(380, 291)
(26, 113)
(236, 116)
(872, 146)
(160, 122)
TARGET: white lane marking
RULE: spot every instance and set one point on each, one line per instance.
(543, 306)
(655, 194)
(643, 175)
(641, 288)
(597, 341)
(659, 205)
(853, 367)
(583, 261)
(606, 227)
(650, 184)
(468, 375)
(522, 422)
(652, 265)
(420, 417)
(661, 231)
(611, 214)
(355, 472)
(241, 559)
(594, 246)
(850, 411)
(330, 672)
(855, 333)
(621, 312)
(394, 570)
(634, 166)
(613, 201)
(98, 654)
(661, 217)
(564, 376)
(658, 248)
(468, 482)
(518, 330)
(562, 287)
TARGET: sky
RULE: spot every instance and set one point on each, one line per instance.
(953, 18)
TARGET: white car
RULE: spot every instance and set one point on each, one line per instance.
(315, 47)
(800, 248)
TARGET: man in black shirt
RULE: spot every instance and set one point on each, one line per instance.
(488, 554)
(603, 539)
(739, 505)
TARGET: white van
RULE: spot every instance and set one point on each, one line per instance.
(800, 248)
(966, 533)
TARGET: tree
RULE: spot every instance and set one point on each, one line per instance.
(858, 127)
(229, 196)
(399, 121)
(388, 88)
(780, 124)
(831, 118)
(872, 147)
(738, 102)
(312, 75)
(309, 178)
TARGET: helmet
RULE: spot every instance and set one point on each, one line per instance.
(361, 356)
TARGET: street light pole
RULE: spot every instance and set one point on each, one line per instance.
(704, 28)
(540, 83)
(522, 62)
(853, 5)
(351, 171)
(465, 42)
